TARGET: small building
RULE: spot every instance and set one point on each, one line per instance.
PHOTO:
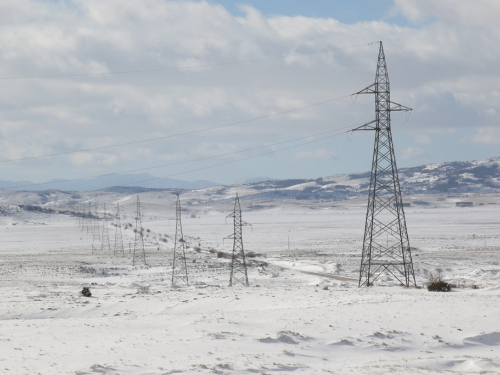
(464, 204)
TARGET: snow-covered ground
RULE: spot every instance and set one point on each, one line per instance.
(303, 312)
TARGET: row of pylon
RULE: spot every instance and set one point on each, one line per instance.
(88, 219)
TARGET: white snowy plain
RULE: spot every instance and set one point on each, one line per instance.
(303, 312)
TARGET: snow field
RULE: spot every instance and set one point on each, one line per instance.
(303, 312)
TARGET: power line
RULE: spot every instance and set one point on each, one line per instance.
(176, 135)
(234, 161)
(199, 159)
(181, 67)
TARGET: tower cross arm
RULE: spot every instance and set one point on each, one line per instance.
(367, 90)
(243, 223)
(367, 126)
(396, 107)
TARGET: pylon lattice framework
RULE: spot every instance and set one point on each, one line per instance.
(179, 263)
(386, 246)
(239, 272)
(139, 253)
(118, 233)
(105, 243)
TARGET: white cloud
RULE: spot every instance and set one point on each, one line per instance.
(413, 153)
(476, 13)
(423, 139)
(444, 66)
(487, 135)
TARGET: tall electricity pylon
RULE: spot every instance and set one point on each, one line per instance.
(139, 254)
(386, 247)
(238, 263)
(118, 233)
(179, 264)
(105, 232)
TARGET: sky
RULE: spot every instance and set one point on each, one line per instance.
(174, 81)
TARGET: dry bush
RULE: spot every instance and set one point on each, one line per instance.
(435, 283)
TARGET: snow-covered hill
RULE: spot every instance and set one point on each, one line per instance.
(436, 179)
(449, 177)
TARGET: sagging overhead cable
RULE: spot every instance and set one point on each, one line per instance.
(177, 134)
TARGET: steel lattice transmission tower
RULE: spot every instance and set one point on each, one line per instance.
(179, 264)
(118, 232)
(238, 262)
(80, 216)
(88, 214)
(105, 232)
(75, 212)
(386, 247)
(139, 254)
(83, 221)
(95, 224)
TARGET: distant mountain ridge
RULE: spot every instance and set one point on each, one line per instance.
(438, 178)
(143, 180)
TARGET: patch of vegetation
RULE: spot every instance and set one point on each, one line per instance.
(435, 283)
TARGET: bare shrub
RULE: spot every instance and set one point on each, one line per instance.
(435, 283)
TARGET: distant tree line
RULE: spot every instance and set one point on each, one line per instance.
(48, 210)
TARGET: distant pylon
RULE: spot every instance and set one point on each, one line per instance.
(139, 254)
(84, 218)
(238, 262)
(179, 264)
(80, 216)
(95, 223)
(386, 247)
(118, 232)
(105, 232)
(75, 212)
(88, 220)
(92, 223)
